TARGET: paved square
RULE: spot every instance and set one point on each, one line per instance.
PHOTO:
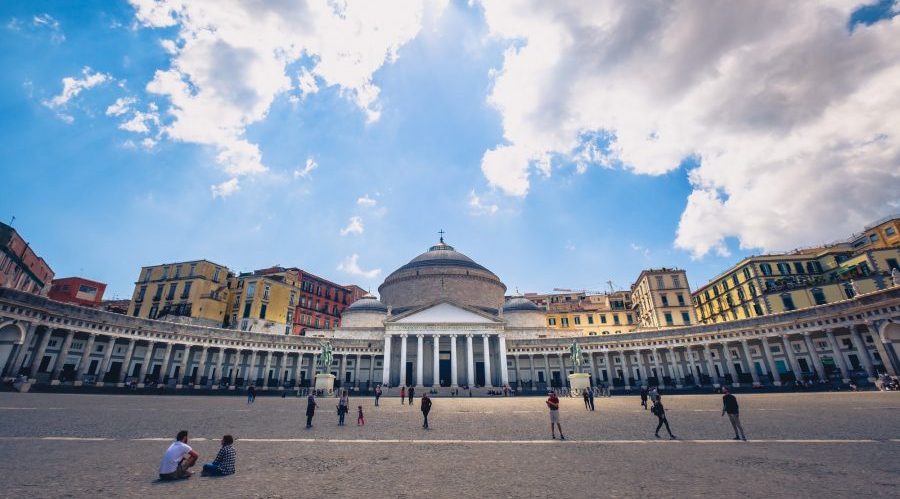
(805, 445)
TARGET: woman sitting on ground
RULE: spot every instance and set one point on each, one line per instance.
(224, 462)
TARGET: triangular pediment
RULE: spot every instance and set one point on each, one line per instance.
(444, 312)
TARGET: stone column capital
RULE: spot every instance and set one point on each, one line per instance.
(420, 336)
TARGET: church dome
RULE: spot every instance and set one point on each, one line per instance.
(442, 273)
(367, 311)
(520, 304)
(522, 312)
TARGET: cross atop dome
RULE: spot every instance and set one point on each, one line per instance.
(441, 232)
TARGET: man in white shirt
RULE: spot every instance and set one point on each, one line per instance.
(178, 459)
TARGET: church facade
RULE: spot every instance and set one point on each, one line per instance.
(442, 322)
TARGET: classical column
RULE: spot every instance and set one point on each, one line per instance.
(252, 373)
(857, 339)
(85, 358)
(148, 359)
(710, 368)
(814, 356)
(386, 362)
(549, 379)
(887, 361)
(183, 367)
(609, 372)
(470, 362)
(356, 369)
(201, 368)
(236, 367)
(626, 368)
(436, 364)
(216, 378)
(420, 360)
(107, 358)
(660, 375)
(592, 379)
(563, 378)
(270, 354)
(770, 360)
(677, 373)
(454, 378)
(19, 361)
(164, 371)
(689, 354)
(838, 356)
(750, 365)
(504, 369)
(515, 359)
(643, 372)
(61, 357)
(531, 364)
(729, 364)
(298, 362)
(488, 381)
(789, 351)
(126, 361)
(39, 352)
(402, 360)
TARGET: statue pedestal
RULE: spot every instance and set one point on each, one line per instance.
(325, 382)
(579, 382)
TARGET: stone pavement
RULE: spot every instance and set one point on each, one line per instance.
(805, 445)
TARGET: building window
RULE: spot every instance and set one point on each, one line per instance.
(757, 309)
(159, 292)
(186, 292)
(668, 317)
(819, 296)
(665, 300)
(676, 282)
(685, 318)
(141, 293)
(247, 309)
(147, 275)
(564, 321)
(590, 318)
(680, 298)
(551, 321)
(266, 292)
(798, 267)
(765, 269)
(216, 276)
(660, 284)
(171, 295)
(784, 268)
(630, 319)
(616, 319)
(177, 271)
(293, 298)
(165, 274)
(747, 273)
(602, 318)
(262, 311)
(577, 320)
(251, 290)
(787, 301)
(848, 290)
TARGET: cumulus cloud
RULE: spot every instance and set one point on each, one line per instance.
(40, 22)
(225, 189)
(477, 207)
(72, 87)
(793, 121)
(307, 168)
(350, 265)
(366, 201)
(354, 226)
(121, 106)
(230, 61)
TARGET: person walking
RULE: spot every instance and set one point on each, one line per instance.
(343, 407)
(377, 394)
(360, 419)
(251, 394)
(412, 393)
(223, 464)
(644, 397)
(590, 393)
(402, 395)
(654, 394)
(730, 407)
(660, 412)
(310, 408)
(426, 408)
(553, 404)
(584, 395)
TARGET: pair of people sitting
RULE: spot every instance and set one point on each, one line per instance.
(180, 458)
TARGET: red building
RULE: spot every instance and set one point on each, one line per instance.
(321, 302)
(77, 290)
(20, 267)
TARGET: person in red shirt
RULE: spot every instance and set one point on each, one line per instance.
(553, 405)
(402, 395)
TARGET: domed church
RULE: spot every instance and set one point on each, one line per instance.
(444, 321)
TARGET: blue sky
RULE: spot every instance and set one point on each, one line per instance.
(248, 170)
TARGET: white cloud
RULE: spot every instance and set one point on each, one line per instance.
(366, 201)
(225, 189)
(48, 22)
(354, 226)
(645, 252)
(306, 83)
(477, 207)
(307, 168)
(121, 106)
(350, 265)
(795, 121)
(72, 87)
(230, 61)
(141, 122)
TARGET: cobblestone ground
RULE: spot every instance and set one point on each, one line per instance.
(802, 445)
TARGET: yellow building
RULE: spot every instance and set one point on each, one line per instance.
(264, 301)
(768, 284)
(592, 314)
(884, 233)
(662, 298)
(193, 292)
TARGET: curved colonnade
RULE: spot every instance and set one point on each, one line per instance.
(54, 343)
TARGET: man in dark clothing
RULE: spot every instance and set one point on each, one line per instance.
(584, 395)
(590, 393)
(644, 397)
(660, 412)
(730, 407)
(310, 409)
(426, 408)
(412, 393)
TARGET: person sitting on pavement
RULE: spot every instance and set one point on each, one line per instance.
(223, 464)
(178, 459)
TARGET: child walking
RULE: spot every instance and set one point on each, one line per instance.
(360, 419)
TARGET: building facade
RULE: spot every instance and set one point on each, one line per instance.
(591, 314)
(884, 233)
(321, 303)
(20, 267)
(264, 301)
(194, 292)
(662, 298)
(77, 290)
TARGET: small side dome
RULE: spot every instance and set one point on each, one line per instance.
(368, 303)
(520, 304)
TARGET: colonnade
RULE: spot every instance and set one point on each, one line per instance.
(456, 378)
